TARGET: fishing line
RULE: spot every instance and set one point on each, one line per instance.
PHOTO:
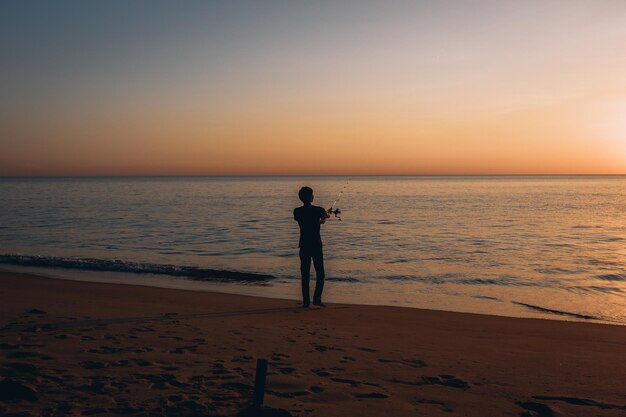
(337, 211)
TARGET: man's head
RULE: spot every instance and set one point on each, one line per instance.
(306, 194)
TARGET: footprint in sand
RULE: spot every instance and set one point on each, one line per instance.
(93, 365)
(581, 401)
(443, 405)
(124, 409)
(322, 348)
(183, 349)
(242, 359)
(22, 354)
(20, 368)
(445, 380)
(354, 383)
(143, 329)
(366, 349)
(237, 386)
(321, 372)
(291, 394)
(142, 362)
(372, 395)
(413, 363)
(94, 411)
(106, 350)
(535, 409)
(160, 381)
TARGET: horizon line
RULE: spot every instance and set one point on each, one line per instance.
(307, 175)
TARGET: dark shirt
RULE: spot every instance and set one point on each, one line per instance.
(309, 218)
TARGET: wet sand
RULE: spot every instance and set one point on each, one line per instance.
(77, 348)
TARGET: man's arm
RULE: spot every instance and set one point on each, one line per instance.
(324, 214)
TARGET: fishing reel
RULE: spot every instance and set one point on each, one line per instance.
(336, 212)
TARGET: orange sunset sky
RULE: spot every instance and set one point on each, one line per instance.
(312, 88)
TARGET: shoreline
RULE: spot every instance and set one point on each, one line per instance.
(280, 290)
(109, 349)
(31, 272)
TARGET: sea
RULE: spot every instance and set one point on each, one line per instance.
(549, 247)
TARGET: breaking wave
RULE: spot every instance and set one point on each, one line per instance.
(115, 265)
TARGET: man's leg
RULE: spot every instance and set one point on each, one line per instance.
(305, 271)
(318, 263)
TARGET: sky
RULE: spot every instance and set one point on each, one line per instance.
(312, 88)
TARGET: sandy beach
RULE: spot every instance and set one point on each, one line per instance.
(76, 348)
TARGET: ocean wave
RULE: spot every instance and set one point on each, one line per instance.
(342, 279)
(596, 289)
(115, 265)
(399, 278)
(462, 279)
(612, 277)
(399, 261)
(486, 297)
(558, 312)
(560, 271)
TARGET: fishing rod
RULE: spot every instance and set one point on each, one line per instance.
(337, 211)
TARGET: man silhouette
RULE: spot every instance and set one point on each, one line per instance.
(309, 218)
